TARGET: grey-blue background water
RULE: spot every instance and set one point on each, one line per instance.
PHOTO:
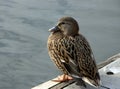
(24, 24)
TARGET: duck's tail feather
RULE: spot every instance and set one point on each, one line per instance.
(96, 82)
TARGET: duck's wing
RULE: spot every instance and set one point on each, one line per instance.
(86, 61)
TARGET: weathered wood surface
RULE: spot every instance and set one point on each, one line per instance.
(111, 81)
(108, 61)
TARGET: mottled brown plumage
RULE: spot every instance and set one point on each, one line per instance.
(71, 52)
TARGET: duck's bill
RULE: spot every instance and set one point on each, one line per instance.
(53, 29)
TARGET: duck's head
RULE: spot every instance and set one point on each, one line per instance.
(67, 25)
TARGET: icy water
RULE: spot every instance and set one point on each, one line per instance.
(24, 24)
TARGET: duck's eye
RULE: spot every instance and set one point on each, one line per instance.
(62, 23)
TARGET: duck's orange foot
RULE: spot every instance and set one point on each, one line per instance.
(63, 78)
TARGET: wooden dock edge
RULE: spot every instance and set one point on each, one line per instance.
(108, 61)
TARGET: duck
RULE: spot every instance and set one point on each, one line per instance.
(71, 53)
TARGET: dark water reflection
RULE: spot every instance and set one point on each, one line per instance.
(24, 61)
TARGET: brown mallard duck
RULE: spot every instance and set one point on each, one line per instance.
(72, 53)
